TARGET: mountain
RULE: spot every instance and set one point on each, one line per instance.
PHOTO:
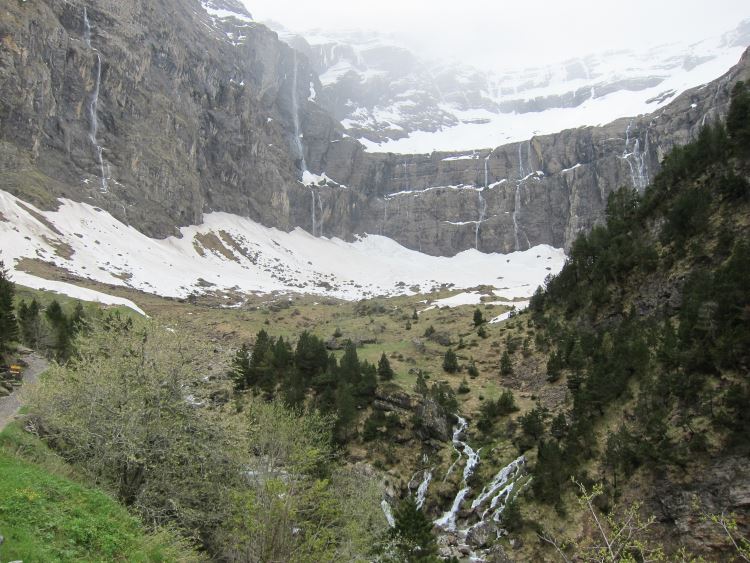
(391, 100)
(161, 114)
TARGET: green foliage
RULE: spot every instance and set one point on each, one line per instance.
(490, 410)
(119, 408)
(511, 519)
(463, 387)
(478, 318)
(8, 323)
(385, 372)
(738, 118)
(240, 370)
(472, 369)
(415, 541)
(51, 518)
(450, 361)
(506, 366)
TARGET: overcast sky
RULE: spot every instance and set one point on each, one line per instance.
(522, 32)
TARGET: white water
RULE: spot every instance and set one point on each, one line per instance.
(388, 513)
(423, 486)
(499, 483)
(295, 118)
(448, 520)
(637, 160)
(94, 106)
(490, 502)
(312, 209)
(482, 203)
(522, 175)
(86, 28)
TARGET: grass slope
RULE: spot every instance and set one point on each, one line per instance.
(46, 516)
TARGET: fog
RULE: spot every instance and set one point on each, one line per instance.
(498, 34)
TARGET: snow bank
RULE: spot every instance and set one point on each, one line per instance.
(231, 253)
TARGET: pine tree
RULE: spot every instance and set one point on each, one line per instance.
(240, 371)
(346, 411)
(506, 367)
(450, 362)
(384, 368)
(413, 532)
(8, 323)
(349, 367)
(30, 323)
(368, 382)
(61, 332)
(478, 318)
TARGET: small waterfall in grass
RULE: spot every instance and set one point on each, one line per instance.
(448, 520)
(423, 486)
(388, 513)
(486, 508)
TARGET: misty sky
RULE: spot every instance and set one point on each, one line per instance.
(498, 33)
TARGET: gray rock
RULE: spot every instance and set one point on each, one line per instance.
(191, 120)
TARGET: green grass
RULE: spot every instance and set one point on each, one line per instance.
(47, 516)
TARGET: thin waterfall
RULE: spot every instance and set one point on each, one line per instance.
(295, 116)
(93, 107)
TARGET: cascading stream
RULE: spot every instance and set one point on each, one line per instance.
(448, 520)
(423, 486)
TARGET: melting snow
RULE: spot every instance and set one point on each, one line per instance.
(231, 253)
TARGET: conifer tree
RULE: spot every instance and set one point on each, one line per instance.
(384, 368)
(506, 367)
(30, 323)
(478, 318)
(61, 332)
(240, 371)
(8, 323)
(450, 362)
(413, 532)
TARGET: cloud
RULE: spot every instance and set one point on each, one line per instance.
(497, 33)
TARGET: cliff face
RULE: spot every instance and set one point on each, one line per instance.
(159, 111)
(154, 110)
(545, 190)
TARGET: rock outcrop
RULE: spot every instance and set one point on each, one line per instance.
(161, 111)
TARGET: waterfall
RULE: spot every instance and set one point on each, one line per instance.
(94, 107)
(295, 121)
(448, 520)
(636, 160)
(385, 215)
(388, 513)
(499, 483)
(522, 175)
(86, 28)
(320, 209)
(482, 202)
(312, 208)
(423, 486)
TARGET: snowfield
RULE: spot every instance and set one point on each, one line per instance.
(232, 255)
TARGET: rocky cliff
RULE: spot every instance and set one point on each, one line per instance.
(161, 111)
(156, 111)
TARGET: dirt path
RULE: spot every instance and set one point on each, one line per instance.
(10, 405)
